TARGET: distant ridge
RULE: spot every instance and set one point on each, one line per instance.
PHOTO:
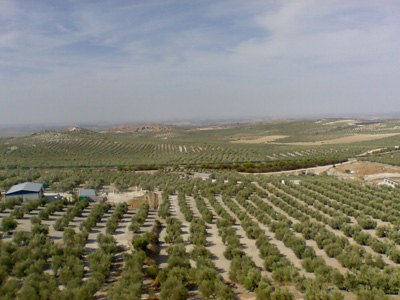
(141, 128)
(78, 130)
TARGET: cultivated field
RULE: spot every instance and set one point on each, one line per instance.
(167, 145)
(238, 237)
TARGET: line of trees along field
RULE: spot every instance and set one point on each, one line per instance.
(355, 225)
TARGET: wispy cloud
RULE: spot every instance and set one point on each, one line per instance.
(126, 58)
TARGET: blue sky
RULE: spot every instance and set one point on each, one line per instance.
(148, 61)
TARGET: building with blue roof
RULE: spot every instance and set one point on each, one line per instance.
(28, 191)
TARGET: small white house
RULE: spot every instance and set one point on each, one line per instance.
(295, 181)
(204, 176)
(390, 182)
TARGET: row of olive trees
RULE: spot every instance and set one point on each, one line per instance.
(24, 261)
(129, 286)
(175, 279)
(282, 269)
(10, 203)
(139, 218)
(210, 283)
(95, 215)
(184, 207)
(70, 214)
(112, 222)
(51, 208)
(359, 235)
(202, 207)
(340, 221)
(163, 209)
(353, 257)
(9, 222)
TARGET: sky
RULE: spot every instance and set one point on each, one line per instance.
(163, 60)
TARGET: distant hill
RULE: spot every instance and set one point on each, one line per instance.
(163, 144)
(141, 128)
(79, 130)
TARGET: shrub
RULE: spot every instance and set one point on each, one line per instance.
(8, 224)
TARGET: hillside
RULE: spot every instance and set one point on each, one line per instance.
(167, 144)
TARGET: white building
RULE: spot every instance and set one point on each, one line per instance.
(390, 182)
(203, 176)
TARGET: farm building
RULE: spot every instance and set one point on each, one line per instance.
(203, 176)
(89, 194)
(293, 181)
(390, 182)
(28, 191)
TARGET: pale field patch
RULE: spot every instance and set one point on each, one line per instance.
(211, 128)
(345, 140)
(348, 122)
(264, 139)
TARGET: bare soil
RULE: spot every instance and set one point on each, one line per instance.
(345, 140)
(363, 168)
(261, 140)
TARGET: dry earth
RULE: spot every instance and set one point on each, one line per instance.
(265, 139)
(368, 171)
(348, 122)
(344, 140)
(364, 168)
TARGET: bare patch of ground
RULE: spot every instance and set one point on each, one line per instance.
(344, 140)
(264, 139)
(370, 151)
(212, 128)
(313, 170)
(369, 171)
(348, 122)
(116, 197)
(367, 168)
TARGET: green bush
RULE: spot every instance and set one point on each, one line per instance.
(8, 224)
